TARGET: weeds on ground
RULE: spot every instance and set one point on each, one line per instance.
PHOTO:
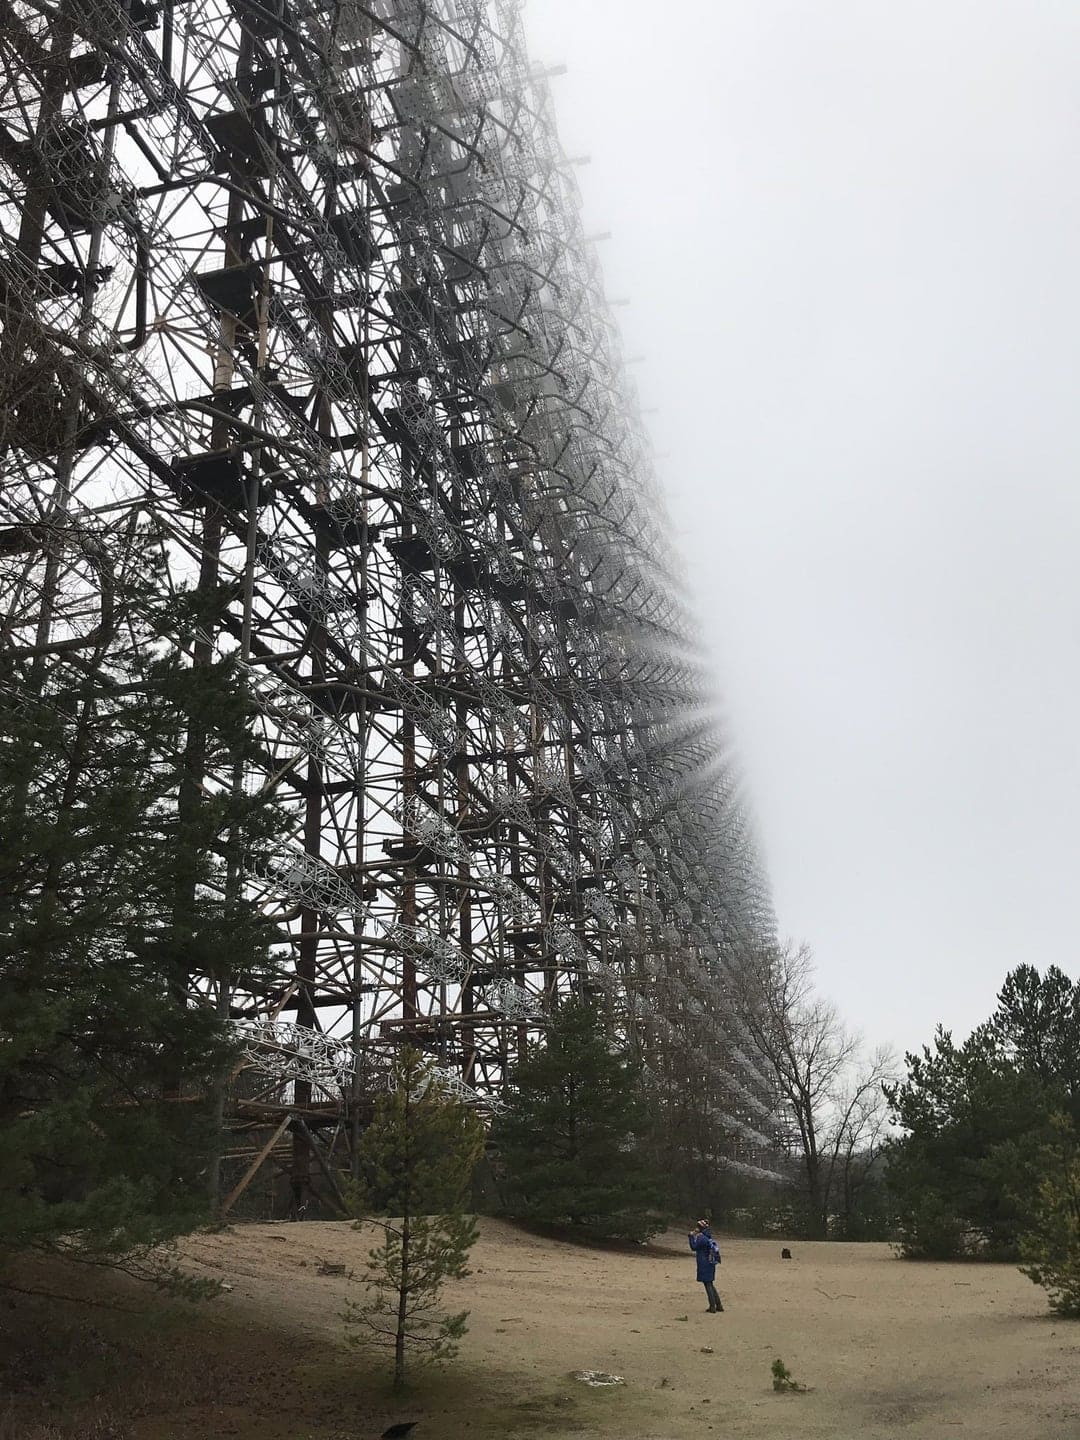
(784, 1381)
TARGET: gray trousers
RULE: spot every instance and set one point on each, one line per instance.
(714, 1298)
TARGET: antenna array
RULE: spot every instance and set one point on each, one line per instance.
(306, 281)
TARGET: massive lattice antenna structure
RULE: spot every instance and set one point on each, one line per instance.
(306, 282)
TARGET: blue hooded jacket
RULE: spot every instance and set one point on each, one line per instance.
(701, 1243)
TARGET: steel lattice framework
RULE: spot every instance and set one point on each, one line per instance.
(306, 281)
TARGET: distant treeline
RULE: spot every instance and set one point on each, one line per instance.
(983, 1158)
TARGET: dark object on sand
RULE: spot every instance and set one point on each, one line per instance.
(399, 1431)
(785, 1253)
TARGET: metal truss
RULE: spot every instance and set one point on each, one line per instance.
(306, 282)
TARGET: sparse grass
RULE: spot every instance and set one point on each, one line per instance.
(74, 1373)
(68, 1373)
(557, 1412)
(267, 1361)
(496, 1405)
(101, 1426)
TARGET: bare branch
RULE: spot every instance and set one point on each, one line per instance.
(833, 1098)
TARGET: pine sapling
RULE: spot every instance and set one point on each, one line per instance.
(417, 1159)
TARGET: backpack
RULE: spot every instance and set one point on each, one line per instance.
(714, 1252)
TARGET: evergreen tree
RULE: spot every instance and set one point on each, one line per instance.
(1051, 1246)
(417, 1160)
(973, 1127)
(110, 901)
(979, 1118)
(1036, 1029)
(574, 1137)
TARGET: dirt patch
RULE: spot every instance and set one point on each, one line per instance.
(887, 1348)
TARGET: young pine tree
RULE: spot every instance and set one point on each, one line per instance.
(417, 1159)
(573, 1138)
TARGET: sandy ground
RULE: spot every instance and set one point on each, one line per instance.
(886, 1347)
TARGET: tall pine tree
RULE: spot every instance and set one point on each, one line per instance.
(981, 1118)
(573, 1138)
(110, 902)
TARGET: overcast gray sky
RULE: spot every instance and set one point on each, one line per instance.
(850, 232)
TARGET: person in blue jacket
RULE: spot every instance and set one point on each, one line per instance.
(707, 1253)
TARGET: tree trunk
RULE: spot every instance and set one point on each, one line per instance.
(817, 1197)
(402, 1307)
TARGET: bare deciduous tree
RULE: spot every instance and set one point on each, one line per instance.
(859, 1128)
(830, 1090)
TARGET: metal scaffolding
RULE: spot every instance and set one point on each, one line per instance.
(306, 282)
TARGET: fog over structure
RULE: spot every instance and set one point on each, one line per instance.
(302, 287)
(847, 235)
